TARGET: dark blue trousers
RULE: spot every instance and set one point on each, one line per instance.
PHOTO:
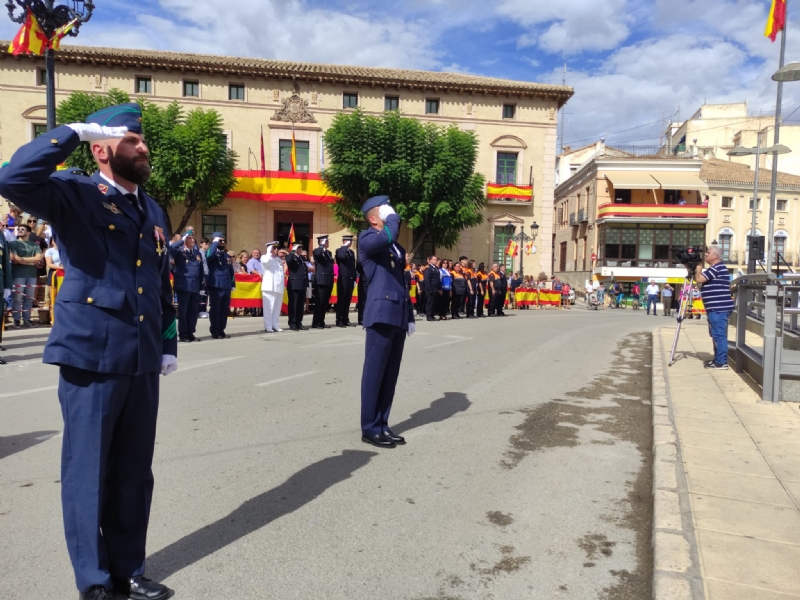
(219, 304)
(106, 476)
(188, 309)
(384, 353)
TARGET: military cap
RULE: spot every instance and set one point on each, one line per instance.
(217, 234)
(347, 238)
(275, 243)
(121, 115)
(373, 202)
(321, 238)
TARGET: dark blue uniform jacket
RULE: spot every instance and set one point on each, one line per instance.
(188, 272)
(114, 311)
(388, 298)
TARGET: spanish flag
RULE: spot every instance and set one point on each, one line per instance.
(528, 248)
(512, 249)
(291, 235)
(30, 39)
(776, 20)
(294, 154)
(61, 32)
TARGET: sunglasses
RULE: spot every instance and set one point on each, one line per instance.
(32, 221)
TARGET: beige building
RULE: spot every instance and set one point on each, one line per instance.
(515, 123)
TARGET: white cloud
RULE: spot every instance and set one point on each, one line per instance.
(570, 27)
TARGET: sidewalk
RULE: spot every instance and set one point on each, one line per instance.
(726, 480)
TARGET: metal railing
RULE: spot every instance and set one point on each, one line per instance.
(679, 151)
(766, 302)
(573, 219)
(583, 215)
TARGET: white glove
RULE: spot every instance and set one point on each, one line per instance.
(169, 364)
(6, 294)
(384, 211)
(412, 328)
(216, 240)
(93, 132)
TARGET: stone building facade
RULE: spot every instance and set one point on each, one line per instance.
(515, 123)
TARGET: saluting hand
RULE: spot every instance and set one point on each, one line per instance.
(93, 132)
(384, 211)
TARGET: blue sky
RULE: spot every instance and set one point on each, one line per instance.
(631, 62)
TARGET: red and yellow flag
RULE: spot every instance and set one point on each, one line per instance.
(528, 248)
(776, 20)
(61, 32)
(294, 154)
(291, 235)
(30, 39)
(512, 249)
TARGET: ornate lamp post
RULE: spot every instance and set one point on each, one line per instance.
(522, 238)
(50, 17)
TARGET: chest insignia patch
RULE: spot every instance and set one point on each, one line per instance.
(112, 207)
(102, 187)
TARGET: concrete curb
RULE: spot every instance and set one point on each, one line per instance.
(675, 562)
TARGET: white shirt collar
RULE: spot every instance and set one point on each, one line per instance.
(120, 189)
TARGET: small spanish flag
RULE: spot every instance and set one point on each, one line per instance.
(292, 239)
(61, 32)
(528, 248)
(512, 249)
(30, 39)
(294, 154)
(776, 20)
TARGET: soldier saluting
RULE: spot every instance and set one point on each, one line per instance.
(346, 259)
(298, 284)
(114, 335)
(323, 276)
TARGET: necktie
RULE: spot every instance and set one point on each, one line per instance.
(135, 203)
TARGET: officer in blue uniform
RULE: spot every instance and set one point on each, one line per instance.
(219, 284)
(388, 318)
(115, 333)
(323, 277)
(296, 288)
(188, 281)
(346, 259)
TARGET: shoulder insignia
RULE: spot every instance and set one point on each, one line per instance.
(112, 207)
(102, 187)
(79, 172)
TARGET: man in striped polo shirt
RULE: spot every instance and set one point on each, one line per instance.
(716, 294)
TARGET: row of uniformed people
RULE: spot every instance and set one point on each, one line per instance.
(445, 289)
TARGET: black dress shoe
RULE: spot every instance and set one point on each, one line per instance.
(342, 325)
(98, 592)
(141, 588)
(397, 439)
(349, 324)
(194, 339)
(184, 340)
(302, 328)
(294, 329)
(379, 440)
(431, 319)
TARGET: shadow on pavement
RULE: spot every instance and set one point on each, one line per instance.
(297, 491)
(11, 444)
(440, 410)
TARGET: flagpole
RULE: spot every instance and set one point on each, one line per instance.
(774, 181)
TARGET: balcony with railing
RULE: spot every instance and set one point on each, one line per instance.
(573, 219)
(509, 192)
(583, 216)
(634, 212)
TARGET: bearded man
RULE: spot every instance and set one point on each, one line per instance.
(115, 334)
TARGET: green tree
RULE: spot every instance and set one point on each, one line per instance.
(190, 160)
(428, 171)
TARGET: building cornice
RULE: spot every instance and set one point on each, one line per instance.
(302, 72)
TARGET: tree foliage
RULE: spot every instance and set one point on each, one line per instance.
(190, 160)
(428, 171)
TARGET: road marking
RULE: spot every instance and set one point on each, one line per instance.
(282, 379)
(31, 391)
(205, 363)
(456, 339)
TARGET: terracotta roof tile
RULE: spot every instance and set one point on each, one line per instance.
(288, 69)
(715, 170)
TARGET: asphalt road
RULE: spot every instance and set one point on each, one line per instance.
(526, 473)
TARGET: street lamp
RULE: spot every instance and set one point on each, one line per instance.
(522, 238)
(790, 72)
(51, 17)
(757, 152)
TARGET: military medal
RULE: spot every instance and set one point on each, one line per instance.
(160, 239)
(112, 207)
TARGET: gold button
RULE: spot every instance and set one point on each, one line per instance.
(141, 236)
(89, 300)
(54, 141)
(140, 290)
(141, 317)
(111, 227)
(138, 263)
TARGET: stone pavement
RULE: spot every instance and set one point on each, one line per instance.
(726, 478)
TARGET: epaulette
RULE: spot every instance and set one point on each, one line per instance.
(78, 172)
